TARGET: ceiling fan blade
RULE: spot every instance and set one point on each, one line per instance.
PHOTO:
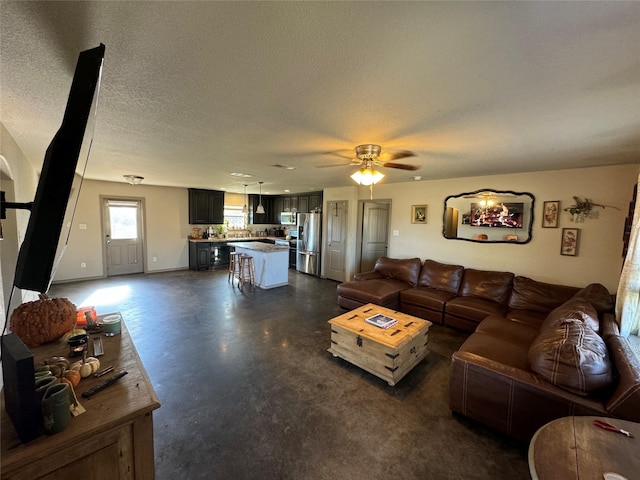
(339, 165)
(342, 153)
(401, 166)
(390, 157)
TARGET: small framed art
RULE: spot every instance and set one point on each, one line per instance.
(550, 214)
(570, 240)
(418, 214)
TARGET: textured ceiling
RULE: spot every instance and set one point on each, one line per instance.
(193, 91)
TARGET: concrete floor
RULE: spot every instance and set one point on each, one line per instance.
(249, 391)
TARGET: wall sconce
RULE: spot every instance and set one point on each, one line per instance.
(133, 179)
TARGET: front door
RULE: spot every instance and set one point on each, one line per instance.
(375, 234)
(123, 236)
(335, 257)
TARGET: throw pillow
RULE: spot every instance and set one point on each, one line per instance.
(573, 357)
(575, 309)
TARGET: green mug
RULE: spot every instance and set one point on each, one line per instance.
(56, 415)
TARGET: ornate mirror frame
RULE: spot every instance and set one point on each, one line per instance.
(489, 216)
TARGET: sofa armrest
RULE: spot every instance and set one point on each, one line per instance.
(625, 401)
(367, 276)
(514, 401)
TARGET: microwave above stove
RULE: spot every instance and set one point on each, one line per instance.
(288, 218)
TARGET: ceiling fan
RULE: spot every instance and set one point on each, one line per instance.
(369, 155)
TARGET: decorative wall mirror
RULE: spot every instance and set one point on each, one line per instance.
(489, 216)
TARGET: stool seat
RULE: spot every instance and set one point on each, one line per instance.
(246, 272)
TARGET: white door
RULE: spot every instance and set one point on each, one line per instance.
(123, 236)
(375, 234)
(336, 244)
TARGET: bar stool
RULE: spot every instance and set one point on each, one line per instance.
(233, 266)
(245, 271)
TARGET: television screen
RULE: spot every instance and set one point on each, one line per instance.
(500, 215)
(59, 185)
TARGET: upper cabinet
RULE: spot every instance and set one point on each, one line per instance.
(206, 206)
(303, 203)
(274, 204)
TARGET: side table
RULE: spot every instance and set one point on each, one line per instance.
(574, 448)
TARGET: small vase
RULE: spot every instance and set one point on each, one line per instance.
(55, 408)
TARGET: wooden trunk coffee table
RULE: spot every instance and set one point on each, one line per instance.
(386, 353)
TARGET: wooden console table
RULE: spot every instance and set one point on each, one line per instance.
(112, 440)
(574, 448)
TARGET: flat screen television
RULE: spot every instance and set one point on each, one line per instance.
(59, 185)
(500, 215)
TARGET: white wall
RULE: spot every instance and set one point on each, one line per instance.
(600, 252)
(166, 228)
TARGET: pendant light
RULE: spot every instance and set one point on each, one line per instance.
(244, 207)
(260, 209)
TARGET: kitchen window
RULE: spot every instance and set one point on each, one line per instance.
(235, 217)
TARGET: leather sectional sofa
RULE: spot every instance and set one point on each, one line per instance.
(537, 351)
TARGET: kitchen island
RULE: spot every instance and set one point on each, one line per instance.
(271, 262)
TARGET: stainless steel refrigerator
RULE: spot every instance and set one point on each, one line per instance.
(309, 242)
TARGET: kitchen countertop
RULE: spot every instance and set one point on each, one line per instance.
(234, 239)
(261, 247)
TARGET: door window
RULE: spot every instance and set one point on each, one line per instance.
(123, 220)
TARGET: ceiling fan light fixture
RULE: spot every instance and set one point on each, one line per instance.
(367, 176)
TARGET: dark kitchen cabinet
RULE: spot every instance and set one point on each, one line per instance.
(315, 201)
(206, 207)
(303, 203)
(286, 203)
(271, 206)
(199, 255)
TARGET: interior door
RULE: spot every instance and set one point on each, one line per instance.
(123, 236)
(336, 244)
(375, 234)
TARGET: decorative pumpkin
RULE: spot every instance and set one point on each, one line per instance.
(71, 376)
(87, 366)
(43, 320)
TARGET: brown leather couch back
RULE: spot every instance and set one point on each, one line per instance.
(441, 276)
(486, 284)
(405, 269)
(528, 294)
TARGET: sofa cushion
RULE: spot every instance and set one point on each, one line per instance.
(528, 294)
(527, 317)
(404, 269)
(381, 292)
(508, 354)
(598, 296)
(625, 401)
(573, 357)
(508, 330)
(472, 308)
(489, 285)
(441, 276)
(575, 309)
(426, 297)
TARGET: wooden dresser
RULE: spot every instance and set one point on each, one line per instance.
(113, 439)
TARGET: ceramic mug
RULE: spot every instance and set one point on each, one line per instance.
(56, 415)
(42, 384)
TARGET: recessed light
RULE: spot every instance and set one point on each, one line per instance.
(287, 191)
(286, 167)
(417, 177)
(243, 175)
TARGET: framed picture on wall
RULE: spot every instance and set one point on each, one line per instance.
(418, 214)
(550, 212)
(570, 239)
